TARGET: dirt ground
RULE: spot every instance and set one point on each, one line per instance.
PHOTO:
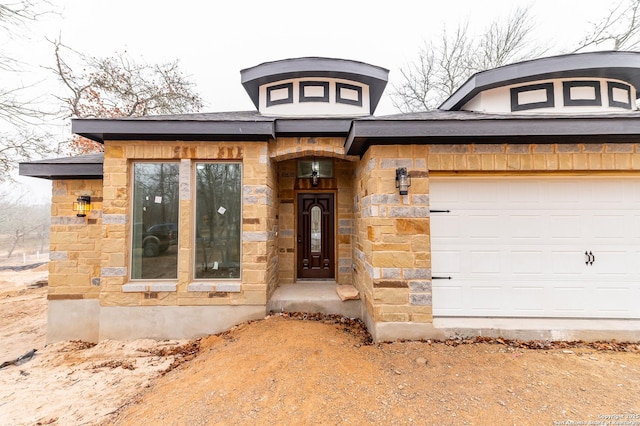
(289, 371)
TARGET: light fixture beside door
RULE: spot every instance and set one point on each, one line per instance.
(315, 169)
(403, 180)
(82, 206)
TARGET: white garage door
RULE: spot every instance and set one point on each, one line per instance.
(515, 247)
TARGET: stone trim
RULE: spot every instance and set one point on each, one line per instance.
(57, 255)
(67, 220)
(420, 299)
(552, 157)
(149, 287)
(114, 219)
(113, 272)
(184, 179)
(255, 236)
(65, 296)
(227, 287)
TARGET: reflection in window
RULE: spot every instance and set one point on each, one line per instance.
(316, 230)
(155, 221)
(218, 220)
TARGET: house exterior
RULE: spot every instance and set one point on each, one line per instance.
(513, 209)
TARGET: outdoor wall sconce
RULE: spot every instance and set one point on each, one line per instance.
(403, 180)
(314, 178)
(82, 206)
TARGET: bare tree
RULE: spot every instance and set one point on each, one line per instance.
(15, 15)
(20, 230)
(506, 42)
(441, 68)
(20, 116)
(117, 86)
(619, 30)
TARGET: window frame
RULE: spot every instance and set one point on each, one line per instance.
(132, 223)
(194, 223)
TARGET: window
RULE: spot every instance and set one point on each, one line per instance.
(532, 96)
(155, 221)
(218, 220)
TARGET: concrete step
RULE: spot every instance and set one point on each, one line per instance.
(312, 297)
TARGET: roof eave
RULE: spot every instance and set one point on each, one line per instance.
(100, 130)
(54, 171)
(517, 130)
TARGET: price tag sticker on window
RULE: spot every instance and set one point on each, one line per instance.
(222, 210)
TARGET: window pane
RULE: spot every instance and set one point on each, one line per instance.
(218, 220)
(316, 229)
(155, 221)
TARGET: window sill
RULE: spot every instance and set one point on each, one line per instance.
(222, 287)
(149, 287)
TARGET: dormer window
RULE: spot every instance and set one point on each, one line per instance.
(314, 91)
(280, 94)
(532, 97)
(348, 94)
(619, 95)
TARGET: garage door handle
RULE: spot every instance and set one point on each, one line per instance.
(590, 258)
(440, 278)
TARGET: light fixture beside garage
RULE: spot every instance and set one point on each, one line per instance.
(403, 180)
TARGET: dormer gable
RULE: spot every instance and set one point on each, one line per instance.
(595, 82)
(312, 86)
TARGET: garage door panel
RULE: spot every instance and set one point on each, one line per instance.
(564, 227)
(569, 301)
(568, 262)
(616, 301)
(448, 261)
(564, 195)
(482, 226)
(520, 247)
(610, 264)
(604, 193)
(479, 198)
(525, 226)
(484, 262)
(609, 226)
(529, 300)
(524, 193)
(449, 298)
(486, 299)
(449, 228)
(527, 262)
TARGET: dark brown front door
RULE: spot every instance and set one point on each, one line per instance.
(315, 236)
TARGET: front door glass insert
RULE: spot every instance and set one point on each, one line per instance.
(316, 229)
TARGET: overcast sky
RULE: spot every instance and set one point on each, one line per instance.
(214, 40)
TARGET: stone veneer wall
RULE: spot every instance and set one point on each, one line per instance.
(259, 207)
(286, 222)
(343, 172)
(392, 252)
(392, 232)
(75, 243)
(272, 225)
